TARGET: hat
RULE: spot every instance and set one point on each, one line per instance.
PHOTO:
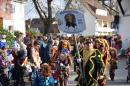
(88, 41)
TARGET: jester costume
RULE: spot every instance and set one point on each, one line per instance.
(113, 63)
(103, 47)
(90, 66)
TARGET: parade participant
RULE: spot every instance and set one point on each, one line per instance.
(63, 46)
(102, 45)
(64, 67)
(92, 65)
(113, 63)
(54, 52)
(45, 78)
(119, 46)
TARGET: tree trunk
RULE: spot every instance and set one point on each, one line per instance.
(49, 15)
(46, 21)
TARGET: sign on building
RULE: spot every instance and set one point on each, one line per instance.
(113, 25)
(1, 21)
(71, 21)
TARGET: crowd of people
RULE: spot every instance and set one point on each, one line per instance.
(48, 53)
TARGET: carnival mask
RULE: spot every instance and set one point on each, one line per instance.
(64, 45)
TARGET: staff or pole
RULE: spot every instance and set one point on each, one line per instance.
(78, 56)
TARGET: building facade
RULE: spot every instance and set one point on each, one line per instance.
(124, 26)
(12, 13)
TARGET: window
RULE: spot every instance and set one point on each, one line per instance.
(104, 23)
(99, 23)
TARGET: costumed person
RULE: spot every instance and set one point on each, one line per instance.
(105, 56)
(127, 50)
(113, 63)
(54, 52)
(127, 53)
(64, 63)
(119, 46)
(45, 78)
(92, 65)
(63, 46)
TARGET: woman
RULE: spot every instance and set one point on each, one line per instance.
(35, 60)
(29, 44)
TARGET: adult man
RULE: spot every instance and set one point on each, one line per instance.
(92, 65)
(19, 48)
(17, 42)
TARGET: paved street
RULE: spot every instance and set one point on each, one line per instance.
(120, 77)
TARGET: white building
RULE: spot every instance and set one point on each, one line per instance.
(12, 13)
(98, 21)
(124, 23)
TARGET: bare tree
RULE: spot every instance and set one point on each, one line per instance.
(111, 6)
(45, 11)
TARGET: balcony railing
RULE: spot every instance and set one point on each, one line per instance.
(19, 1)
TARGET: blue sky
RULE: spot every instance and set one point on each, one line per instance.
(30, 11)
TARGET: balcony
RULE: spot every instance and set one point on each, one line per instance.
(19, 1)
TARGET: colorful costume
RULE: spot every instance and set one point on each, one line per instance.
(113, 63)
(103, 47)
(90, 67)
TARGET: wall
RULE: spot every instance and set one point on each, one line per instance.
(18, 19)
(5, 9)
(90, 23)
(7, 23)
(124, 25)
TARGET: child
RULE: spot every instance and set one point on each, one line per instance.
(113, 63)
(64, 67)
(45, 78)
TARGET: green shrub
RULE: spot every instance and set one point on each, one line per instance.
(9, 36)
(16, 32)
(33, 32)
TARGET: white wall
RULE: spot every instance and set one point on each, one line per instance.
(90, 23)
(7, 23)
(124, 26)
(18, 19)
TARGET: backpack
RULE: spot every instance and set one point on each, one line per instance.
(29, 51)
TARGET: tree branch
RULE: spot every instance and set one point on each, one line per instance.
(36, 7)
(44, 13)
